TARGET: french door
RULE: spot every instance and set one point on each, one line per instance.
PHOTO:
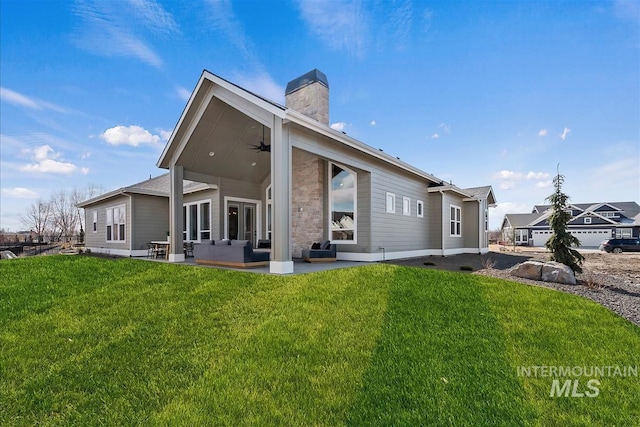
(241, 221)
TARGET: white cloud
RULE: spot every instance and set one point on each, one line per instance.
(46, 162)
(373, 123)
(21, 100)
(339, 126)
(84, 171)
(108, 29)
(262, 84)
(508, 179)
(20, 193)
(543, 132)
(435, 136)
(183, 93)
(565, 133)
(445, 127)
(544, 184)
(537, 175)
(129, 135)
(341, 25)
(165, 135)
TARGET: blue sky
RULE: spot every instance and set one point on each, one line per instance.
(476, 92)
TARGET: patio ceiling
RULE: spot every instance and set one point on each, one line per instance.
(222, 143)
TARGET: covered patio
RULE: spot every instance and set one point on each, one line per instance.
(234, 139)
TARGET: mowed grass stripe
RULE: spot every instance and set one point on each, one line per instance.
(551, 328)
(295, 356)
(440, 359)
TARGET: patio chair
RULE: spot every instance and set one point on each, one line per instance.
(320, 252)
(188, 249)
(151, 250)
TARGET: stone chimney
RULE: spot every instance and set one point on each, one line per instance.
(309, 95)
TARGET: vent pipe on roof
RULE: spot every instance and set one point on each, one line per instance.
(309, 95)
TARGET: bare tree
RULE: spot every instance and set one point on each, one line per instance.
(64, 215)
(37, 218)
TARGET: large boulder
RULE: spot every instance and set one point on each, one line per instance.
(558, 273)
(528, 270)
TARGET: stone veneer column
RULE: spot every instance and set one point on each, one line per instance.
(307, 205)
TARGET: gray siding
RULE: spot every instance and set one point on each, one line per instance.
(151, 220)
(470, 224)
(99, 239)
(433, 213)
(396, 231)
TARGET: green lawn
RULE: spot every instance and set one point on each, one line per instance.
(91, 341)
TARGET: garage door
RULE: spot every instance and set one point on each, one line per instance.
(588, 238)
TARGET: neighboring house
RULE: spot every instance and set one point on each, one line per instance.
(283, 174)
(591, 223)
(122, 222)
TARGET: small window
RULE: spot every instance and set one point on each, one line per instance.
(587, 220)
(406, 206)
(95, 221)
(455, 219)
(391, 203)
(420, 208)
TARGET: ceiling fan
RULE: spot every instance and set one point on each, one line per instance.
(262, 146)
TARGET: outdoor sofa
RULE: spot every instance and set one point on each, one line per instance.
(320, 252)
(229, 253)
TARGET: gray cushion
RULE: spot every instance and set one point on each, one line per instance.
(325, 244)
(240, 242)
(221, 242)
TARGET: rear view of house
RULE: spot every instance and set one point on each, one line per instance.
(284, 175)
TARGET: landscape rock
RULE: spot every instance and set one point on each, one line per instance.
(528, 270)
(558, 273)
(7, 255)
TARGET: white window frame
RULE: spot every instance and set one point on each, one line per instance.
(111, 212)
(187, 220)
(406, 206)
(268, 211)
(587, 220)
(420, 209)
(95, 222)
(355, 205)
(390, 207)
(456, 221)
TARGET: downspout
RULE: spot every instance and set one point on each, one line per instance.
(442, 228)
(480, 226)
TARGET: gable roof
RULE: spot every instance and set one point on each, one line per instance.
(523, 219)
(158, 186)
(485, 192)
(630, 210)
(211, 85)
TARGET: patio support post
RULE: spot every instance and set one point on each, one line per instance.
(281, 262)
(176, 174)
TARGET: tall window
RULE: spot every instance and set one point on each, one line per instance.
(342, 201)
(455, 221)
(406, 206)
(486, 220)
(420, 209)
(391, 202)
(95, 221)
(196, 221)
(269, 210)
(116, 219)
